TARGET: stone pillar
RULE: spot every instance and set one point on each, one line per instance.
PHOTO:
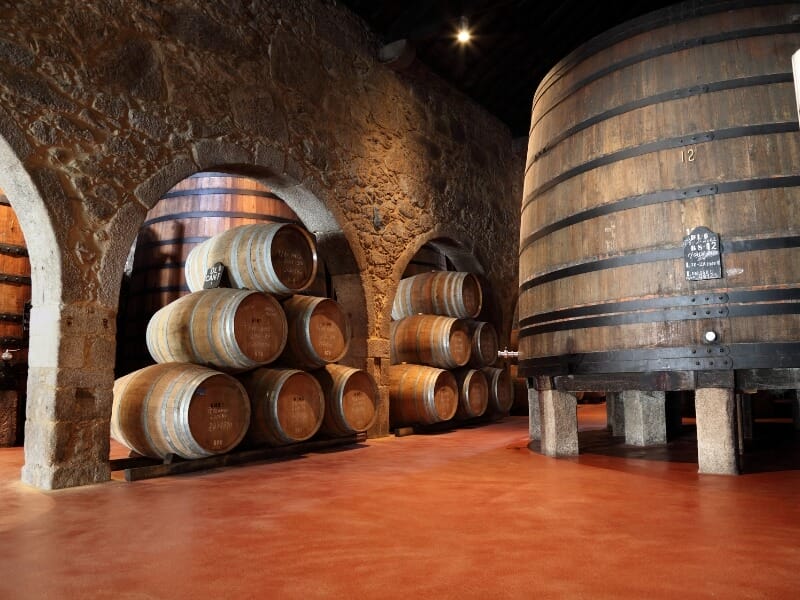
(69, 405)
(645, 418)
(375, 363)
(534, 414)
(559, 423)
(716, 431)
(618, 413)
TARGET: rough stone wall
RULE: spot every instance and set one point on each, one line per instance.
(105, 104)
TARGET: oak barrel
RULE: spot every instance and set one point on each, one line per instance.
(15, 283)
(501, 390)
(279, 258)
(681, 120)
(319, 332)
(177, 408)
(473, 393)
(288, 406)
(446, 293)
(223, 328)
(430, 340)
(421, 395)
(351, 399)
(484, 344)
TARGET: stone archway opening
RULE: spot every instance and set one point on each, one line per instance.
(32, 251)
(213, 200)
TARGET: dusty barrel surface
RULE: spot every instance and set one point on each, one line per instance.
(15, 281)
(319, 332)
(680, 120)
(421, 395)
(351, 398)
(288, 406)
(180, 409)
(501, 390)
(430, 340)
(279, 258)
(473, 393)
(224, 328)
(446, 293)
(484, 344)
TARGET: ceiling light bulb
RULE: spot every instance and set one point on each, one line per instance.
(463, 31)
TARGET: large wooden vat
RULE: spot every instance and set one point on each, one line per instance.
(197, 208)
(227, 329)
(421, 395)
(288, 406)
(15, 282)
(180, 409)
(430, 340)
(319, 332)
(679, 120)
(351, 398)
(427, 259)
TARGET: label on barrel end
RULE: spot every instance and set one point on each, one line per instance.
(701, 255)
(214, 276)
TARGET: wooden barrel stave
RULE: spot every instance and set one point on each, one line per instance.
(319, 332)
(180, 409)
(421, 395)
(613, 185)
(473, 393)
(446, 293)
(431, 340)
(288, 406)
(224, 328)
(351, 399)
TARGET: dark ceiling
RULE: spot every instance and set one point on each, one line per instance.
(516, 41)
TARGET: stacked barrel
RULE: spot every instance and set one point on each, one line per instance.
(197, 208)
(251, 363)
(441, 356)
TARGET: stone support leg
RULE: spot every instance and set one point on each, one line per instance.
(534, 415)
(645, 418)
(559, 423)
(716, 431)
(618, 413)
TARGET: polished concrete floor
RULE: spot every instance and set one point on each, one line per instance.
(470, 513)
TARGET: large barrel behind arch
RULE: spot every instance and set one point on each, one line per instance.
(195, 209)
(15, 282)
(681, 119)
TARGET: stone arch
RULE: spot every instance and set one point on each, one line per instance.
(462, 256)
(309, 200)
(25, 192)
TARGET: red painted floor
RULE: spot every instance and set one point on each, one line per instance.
(471, 513)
